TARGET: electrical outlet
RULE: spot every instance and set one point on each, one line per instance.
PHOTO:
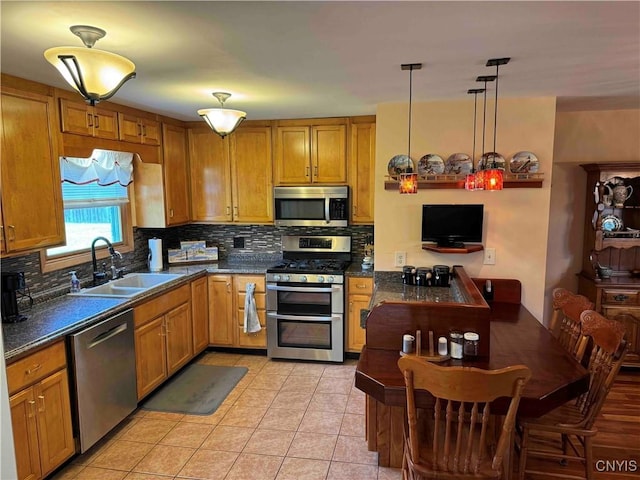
(489, 256)
(400, 259)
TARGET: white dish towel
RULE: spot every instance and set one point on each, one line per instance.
(251, 320)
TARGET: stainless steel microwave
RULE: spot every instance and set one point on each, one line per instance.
(311, 206)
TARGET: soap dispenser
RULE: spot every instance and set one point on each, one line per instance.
(75, 283)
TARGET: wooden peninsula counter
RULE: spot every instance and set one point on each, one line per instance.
(509, 335)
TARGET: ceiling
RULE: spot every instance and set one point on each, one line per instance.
(299, 59)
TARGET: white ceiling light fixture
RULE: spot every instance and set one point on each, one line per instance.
(95, 74)
(222, 120)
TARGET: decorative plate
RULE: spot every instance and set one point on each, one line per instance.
(491, 160)
(458, 164)
(611, 223)
(400, 164)
(524, 162)
(430, 164)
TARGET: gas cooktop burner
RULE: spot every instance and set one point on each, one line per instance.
(310, 266)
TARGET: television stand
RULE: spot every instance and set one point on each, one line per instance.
(457, 247)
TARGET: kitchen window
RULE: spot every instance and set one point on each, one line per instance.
(95, 194)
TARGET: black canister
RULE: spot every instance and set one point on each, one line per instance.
(424, 277)
(441, 276)
(409, 275)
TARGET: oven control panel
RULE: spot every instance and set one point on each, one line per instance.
(305, 278)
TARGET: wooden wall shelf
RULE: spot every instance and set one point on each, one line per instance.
(432, 247)
(518, 180)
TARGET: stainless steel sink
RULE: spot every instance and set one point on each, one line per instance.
(128, 286)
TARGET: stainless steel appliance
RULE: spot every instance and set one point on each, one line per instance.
(311, 206)
(104, 376)
(12, 282)
(305, 299)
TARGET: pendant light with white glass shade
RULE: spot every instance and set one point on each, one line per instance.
(222, 120)
(96, 74)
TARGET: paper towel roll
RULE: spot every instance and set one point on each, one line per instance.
(155, 254)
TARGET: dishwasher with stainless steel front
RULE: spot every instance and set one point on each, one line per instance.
(104, 376)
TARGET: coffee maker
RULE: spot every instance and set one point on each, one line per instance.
(12, 282)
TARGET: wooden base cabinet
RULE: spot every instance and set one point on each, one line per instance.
(227, 295)
(40, 412)
(199, 314)
(359, 291)
(163, 338)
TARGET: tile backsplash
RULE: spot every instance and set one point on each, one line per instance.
(259, 242)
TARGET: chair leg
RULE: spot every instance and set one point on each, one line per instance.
(588, 458)
(565, 442)
(523, 452)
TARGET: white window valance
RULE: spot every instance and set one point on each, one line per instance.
(105, 167)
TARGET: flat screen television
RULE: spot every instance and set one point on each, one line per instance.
(452, 225)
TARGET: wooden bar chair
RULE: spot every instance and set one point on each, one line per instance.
(574, 421)
(565, 321)
(456, 440)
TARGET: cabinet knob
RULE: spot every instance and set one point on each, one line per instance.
(42, 405)
(97, 120)
(89, 120)
(308, 170)
(621, 297)
(33, 369)
(32, 408)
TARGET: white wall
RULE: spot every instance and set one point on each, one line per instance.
(516, 220)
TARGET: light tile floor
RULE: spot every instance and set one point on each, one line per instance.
(284, 420)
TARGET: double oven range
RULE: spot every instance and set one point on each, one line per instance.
(305, 299)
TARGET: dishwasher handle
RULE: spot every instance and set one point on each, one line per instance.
(104, 336)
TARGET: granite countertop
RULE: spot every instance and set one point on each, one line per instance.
(395, 291)
(52, 320)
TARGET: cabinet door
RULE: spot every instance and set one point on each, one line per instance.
(292, 162)
(105, 123)
(151, 357)
(329, 153)
(150, 131)
(76, 118)
(30, 165)
(179, 337)
(54, 421)
(200, 314)
(362, 171)
(251, 171)
(356, 335)
(221, 326)
(210, 176)
(630, 318)
(25, 434)
(130, 128)
(175, 174)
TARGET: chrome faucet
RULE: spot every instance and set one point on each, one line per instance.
(100, 277)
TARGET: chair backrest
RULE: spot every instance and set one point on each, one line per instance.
(460, 431)
(565, 322)
(608, 348)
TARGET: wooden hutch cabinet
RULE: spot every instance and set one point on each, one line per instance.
(612, 239)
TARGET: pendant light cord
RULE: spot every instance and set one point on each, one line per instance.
(475, 116)
(495, 112)
(484, 119)
(410, 91)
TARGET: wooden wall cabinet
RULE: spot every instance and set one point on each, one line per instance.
(231, 178)
(310, 153)
(30, 164)
(359, 291)
(226, 311)
(82, 119)
(138, 130)
(40, 412)
(163, 338)
(362, 162)
(162, 190)
(617, 297)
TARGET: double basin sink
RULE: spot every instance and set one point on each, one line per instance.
(129, 286)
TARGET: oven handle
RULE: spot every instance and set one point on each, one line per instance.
(302, 289)
(327, 213)
(302, 317)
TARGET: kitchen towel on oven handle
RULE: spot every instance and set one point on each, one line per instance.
(251, 320)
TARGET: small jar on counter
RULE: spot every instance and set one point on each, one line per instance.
(471, 344)
(456, 345)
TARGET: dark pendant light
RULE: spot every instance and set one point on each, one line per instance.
(494, 177)
(409, 181)
(470, 180)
